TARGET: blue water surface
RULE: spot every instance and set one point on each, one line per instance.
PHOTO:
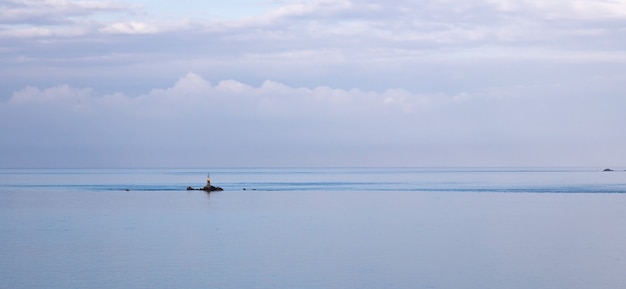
(524, 180)
(313, 228)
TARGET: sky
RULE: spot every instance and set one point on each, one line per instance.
(312, 83)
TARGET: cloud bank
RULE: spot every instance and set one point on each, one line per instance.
(196, 123)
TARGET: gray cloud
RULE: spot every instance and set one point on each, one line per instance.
(345, 27)
(62, 12)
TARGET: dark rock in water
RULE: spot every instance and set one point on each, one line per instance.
(206, 189)
(607, 170)
(212, 188)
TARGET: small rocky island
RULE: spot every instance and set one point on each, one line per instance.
(207, 188)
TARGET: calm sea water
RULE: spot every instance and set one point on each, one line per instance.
(313, 228)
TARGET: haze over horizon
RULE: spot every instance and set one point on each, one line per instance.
(312, 83)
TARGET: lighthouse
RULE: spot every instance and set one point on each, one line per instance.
(208, 187)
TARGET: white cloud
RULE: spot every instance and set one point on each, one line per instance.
(132, 27)
(578, 9)
(192, 94)
(233, 86)
(324, 7)
(54, 97)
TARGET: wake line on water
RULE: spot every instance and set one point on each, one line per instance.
(104, 187)
(340, 187)
(443, 189)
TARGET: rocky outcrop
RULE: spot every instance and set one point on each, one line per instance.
(206, 189)
(212, 188)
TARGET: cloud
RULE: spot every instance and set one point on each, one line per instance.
(129, 28)
(54, 95)
(583, 9)
(316, 38)
(432, 81)
(348, 25)
(34, 12)
(310, 126)
(193, 95)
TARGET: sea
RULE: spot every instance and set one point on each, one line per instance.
(526, 228)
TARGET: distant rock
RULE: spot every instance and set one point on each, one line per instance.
(607, 170)
(206, 189)
(212, 188)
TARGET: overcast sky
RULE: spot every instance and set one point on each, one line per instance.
(162, 83)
